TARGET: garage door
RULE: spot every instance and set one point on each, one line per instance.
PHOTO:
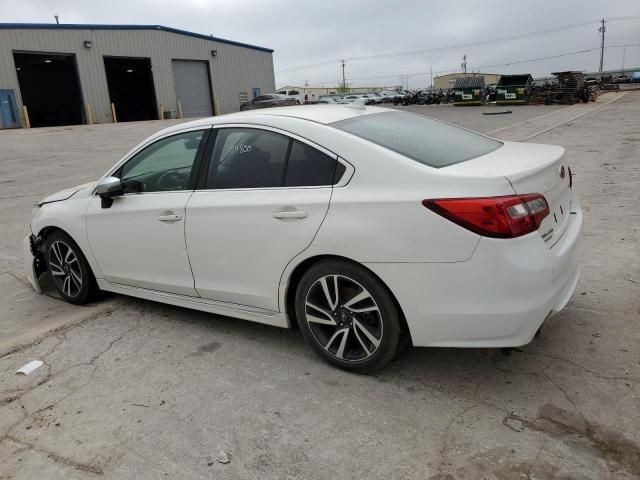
(192, 87)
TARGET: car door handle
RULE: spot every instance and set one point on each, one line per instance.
(170, 218)
(290, 214)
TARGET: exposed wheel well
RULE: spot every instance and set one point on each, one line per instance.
(299, 271)
(47, 231)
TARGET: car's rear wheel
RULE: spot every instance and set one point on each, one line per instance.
(69, 269)
(347, 315)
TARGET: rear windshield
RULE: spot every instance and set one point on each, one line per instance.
(420, 138)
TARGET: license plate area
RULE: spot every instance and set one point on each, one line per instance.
(555, 224)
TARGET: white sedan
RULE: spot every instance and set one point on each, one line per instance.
(362, 225)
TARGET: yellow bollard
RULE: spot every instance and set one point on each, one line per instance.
(179, 110)
(113, 113)
(161, 111)
(217, 112)
(87, 111)
(25, 115)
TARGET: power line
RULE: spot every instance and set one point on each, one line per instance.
(507, 64)
(465, 45)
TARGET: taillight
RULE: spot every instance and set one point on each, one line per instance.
(497, 217)
(570, 177)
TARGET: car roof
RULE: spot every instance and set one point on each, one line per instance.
(323, 113)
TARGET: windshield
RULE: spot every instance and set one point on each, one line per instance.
(420, 138)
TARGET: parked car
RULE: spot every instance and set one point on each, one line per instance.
(622, 79)
(300, 98)
(369, 99)
(332, 99)
(377, 98)
(267, 101)
(388, 96)
(399, 98)
(353, 97)
(414, 229)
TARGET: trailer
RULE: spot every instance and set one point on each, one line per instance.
(514, 89)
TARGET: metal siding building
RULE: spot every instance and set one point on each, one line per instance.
(449, 80)
(234, 68)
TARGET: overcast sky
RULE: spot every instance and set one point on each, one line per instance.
(305, 34)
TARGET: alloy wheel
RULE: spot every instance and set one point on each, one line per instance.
(343, 318)
(65, 268)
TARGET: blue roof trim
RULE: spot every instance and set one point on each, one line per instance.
(90, 26)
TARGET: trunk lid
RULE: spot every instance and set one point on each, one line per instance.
(530, 168)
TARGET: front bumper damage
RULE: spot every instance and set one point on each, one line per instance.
(35, 264)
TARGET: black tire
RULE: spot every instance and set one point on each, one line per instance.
(73, 279)
(356, 341)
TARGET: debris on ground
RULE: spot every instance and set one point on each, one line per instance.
(502, 112)
(30, 367)
(514, 422)
(223, 457)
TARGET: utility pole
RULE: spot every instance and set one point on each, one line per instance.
(306, 83)
(344, 81)
(431, 75)
(464, 63)
(601, 30)
(624, 51)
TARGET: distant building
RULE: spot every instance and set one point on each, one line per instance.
(73, 74)
(449, 80)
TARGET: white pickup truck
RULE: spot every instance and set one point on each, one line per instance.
(300, 98)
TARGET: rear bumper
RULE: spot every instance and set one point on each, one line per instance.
(498, 298)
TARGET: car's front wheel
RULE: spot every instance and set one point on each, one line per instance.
(69, 269)
(347, 315)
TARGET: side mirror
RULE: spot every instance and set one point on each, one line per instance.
(107, 188)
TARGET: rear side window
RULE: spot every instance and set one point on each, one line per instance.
(308, 166)
(420, 138)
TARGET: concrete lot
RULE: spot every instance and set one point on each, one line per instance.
(135, 389)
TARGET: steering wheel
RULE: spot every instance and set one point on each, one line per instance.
(171, 181)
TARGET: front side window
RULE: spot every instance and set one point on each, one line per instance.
(254, 158)
(420, 138)
(163, 166)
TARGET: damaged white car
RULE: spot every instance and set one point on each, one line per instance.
(360, 224)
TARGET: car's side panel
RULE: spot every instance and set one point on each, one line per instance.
(238, 249)
(134, 245)
(267, 317)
